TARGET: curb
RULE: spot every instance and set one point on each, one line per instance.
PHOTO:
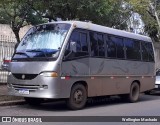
(10, 103)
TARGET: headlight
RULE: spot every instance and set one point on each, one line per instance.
(49, 74)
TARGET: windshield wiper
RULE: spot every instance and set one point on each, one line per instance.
(37, 50)
(22, 53)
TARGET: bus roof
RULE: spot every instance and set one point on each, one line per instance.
(104, 29)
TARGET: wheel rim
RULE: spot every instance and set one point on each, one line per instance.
(78, 96)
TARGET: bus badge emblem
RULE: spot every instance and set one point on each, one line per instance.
(23, 76)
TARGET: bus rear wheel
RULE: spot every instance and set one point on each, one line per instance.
(78, 97)
(134, 92)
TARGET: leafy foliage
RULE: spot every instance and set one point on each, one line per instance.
(106, 12)
(147, 9)
(19, 13)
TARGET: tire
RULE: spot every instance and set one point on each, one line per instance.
(33, 101)
(78, 97)
(134, 92)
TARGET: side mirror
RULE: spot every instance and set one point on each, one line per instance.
(73, 46)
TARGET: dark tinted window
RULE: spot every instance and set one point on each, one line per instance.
(97, 44)
(94, 43)
(119, 46)
(77, 45)
(132, 49)
(151, 52)
(144, 52)
(111, 47)
(147, 51)
(84, 44)
(101, 46)
(115, 47)
(75, 37)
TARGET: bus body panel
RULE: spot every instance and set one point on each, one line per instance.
(109, 76)
(113, 67)
(79, 67)
(34, 67)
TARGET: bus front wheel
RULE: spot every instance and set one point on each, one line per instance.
(78, 97)
(134, 92)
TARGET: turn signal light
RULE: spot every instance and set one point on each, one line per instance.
(49, 74)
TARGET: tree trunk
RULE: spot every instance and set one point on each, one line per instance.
(16, 32)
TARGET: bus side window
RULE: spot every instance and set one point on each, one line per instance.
(132, 49)
(111, 47)
(151, 53)
(97, 44)
(94, 43)
(147, 52)
(144, 51)
(77, 45)
(118, 46)
(101, 45)
(84, 43)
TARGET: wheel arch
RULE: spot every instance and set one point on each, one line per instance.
(84, 83)
(137, 81)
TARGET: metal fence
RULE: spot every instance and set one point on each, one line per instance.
(7, 45)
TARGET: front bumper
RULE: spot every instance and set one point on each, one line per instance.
(39, 87)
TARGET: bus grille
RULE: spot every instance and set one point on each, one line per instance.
(29, 87)
(25, 76)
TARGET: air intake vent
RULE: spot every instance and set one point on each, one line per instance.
(25, 76)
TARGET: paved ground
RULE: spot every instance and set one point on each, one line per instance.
(5, 99)
(3, 89)
(147, 106)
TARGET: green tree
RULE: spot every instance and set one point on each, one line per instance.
(105, 12)
(18, 13)
(148, 10)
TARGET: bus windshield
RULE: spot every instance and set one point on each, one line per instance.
(43, 42)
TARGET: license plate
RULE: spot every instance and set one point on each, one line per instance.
(156, 86)
(24, 91)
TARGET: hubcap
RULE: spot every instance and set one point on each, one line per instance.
(78, 96)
